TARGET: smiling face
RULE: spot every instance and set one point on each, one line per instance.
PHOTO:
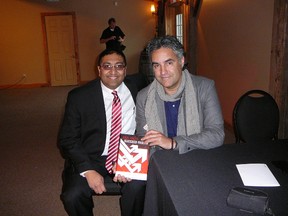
(167, 69)
(112, 70)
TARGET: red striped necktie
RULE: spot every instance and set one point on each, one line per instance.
(116, 126)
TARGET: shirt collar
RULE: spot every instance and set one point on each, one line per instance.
(107, 90)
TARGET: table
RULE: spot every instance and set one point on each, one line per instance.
(197, 183)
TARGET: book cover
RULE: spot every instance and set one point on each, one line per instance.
(133, 157)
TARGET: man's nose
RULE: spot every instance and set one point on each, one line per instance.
(162, 69)
(113, 69)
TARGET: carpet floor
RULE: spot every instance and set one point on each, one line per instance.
(31, 165)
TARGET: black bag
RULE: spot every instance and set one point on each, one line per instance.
(252, 201)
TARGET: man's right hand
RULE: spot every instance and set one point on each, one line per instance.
(95, 181)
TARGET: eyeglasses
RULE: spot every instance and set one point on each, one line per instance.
(118, 67)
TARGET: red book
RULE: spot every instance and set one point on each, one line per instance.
(133, 157)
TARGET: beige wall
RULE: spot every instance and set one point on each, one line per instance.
(234, 40)
(21, 37)
(234, 44)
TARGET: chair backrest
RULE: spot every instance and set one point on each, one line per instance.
(255, 117)
(139, 79)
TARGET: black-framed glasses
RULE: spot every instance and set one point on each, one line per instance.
(109, 67)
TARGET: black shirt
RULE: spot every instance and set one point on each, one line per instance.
(112, 44)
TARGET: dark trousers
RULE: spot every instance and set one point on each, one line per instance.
(77, 196)
(132, 198)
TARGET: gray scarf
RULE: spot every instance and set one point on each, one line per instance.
(188, 116)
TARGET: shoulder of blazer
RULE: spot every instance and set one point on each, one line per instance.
(201, 81)
(144, 92)
(91, 89)
(87, 87)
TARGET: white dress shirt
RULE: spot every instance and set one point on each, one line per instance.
(128, 111)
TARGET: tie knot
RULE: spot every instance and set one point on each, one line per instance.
(116, 98)
(114, 93)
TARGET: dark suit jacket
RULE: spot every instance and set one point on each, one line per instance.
(83, 132)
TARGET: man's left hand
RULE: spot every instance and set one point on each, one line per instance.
(119, 178)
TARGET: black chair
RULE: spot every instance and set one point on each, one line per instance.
(112, 188)
(140, 80)
(256, 117)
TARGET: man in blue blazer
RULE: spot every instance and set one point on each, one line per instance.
(85, 132)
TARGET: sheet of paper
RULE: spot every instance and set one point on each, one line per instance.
(257, 174)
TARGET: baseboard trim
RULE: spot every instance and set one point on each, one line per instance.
(32, 85)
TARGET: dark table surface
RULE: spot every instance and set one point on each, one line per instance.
(198, 182)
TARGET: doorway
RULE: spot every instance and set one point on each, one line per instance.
(176, 20)
(61, 51)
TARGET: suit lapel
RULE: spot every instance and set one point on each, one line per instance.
(97, 96)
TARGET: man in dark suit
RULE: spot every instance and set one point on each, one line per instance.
(85, 133)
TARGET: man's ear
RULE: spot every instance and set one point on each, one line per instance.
(183, 61)
(99, 73)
